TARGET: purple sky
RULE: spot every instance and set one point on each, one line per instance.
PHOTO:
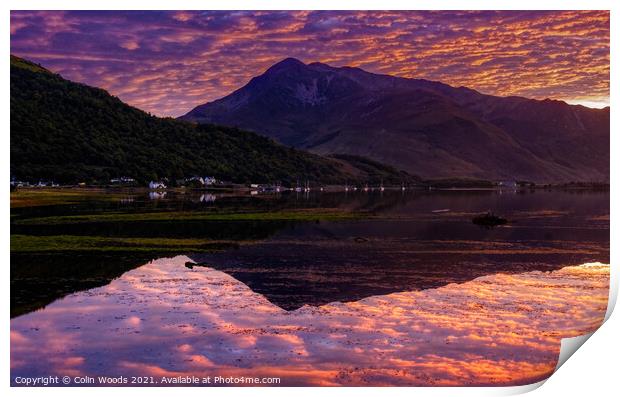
(168, 62)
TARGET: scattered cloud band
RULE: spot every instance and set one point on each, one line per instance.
(167, 62)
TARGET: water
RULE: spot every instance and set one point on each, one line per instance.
(411, 294)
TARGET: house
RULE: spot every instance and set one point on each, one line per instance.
(209, 180)
(16, 183)
(46, 184)
(196, 179)
(156, 185)
(508, 184)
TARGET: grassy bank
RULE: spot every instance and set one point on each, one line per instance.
(22, 198)
(66, 243)
(283, 215)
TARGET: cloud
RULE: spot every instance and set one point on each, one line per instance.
(169, 62)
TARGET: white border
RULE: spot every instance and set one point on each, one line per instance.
(592, 371)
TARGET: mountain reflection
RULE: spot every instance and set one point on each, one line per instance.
(315, 264)
(167, 319)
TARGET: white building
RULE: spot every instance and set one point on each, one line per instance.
(508, 184)
(156, 185)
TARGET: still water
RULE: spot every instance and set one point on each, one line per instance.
(413, 294)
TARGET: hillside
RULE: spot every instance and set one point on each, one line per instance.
(424, 127)
(70, 132)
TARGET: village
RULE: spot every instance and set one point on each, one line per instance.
(212, 183)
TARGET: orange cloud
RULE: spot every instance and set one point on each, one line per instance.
(168, 62)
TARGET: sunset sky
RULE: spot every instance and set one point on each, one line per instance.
(168, 62)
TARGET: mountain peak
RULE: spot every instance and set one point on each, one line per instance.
(286, 63)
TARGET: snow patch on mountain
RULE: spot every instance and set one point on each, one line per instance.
(309, 94)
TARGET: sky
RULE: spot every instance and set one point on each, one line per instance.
(167, 62)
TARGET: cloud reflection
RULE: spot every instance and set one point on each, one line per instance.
(164, 319)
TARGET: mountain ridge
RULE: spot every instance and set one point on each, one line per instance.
(425, 127)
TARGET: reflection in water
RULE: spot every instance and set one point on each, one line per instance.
(42, 277)
(207, 198)
(157, 195)
(402, 320)
(166, 319)
(315, 264)
(39, 279)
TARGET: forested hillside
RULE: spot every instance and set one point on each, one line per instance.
(70, 132)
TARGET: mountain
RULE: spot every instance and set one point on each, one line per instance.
(70, 132)
(427, 128)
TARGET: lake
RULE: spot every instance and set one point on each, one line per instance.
(380, 288)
